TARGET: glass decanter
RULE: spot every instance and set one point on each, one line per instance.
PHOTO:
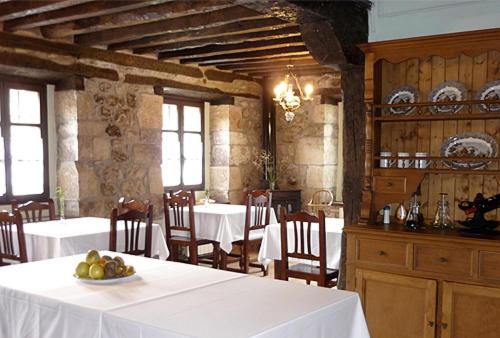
(414, 218)
(442, 218)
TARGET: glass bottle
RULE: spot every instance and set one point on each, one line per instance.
(414, 218)
(442, 218)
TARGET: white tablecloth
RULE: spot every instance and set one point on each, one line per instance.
(78, 235)
(169, 299)
(270, 248)
(224, 223)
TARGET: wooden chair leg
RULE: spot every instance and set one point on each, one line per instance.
(193, 254)
(223, 260)
(175, 253)
(308, 282)
(216, 254)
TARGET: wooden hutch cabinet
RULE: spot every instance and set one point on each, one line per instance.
(427, 282)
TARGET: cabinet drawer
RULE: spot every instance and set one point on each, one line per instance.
(382, 252)
(389, 185)
(489, 263)
(453, 261)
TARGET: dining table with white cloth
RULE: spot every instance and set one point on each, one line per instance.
(66, 237)
(270, 249)
(223, 223)
(169, 299)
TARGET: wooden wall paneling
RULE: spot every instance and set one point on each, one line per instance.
(462, 181)
(479, 77)
(399, 127)
(410, 135)
(491, 186)
(437, 77)
(424, 127)
(450, 129)
(387, 85)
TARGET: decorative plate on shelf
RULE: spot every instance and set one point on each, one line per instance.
(490, 91)
(448, 91)
(471, 144)
(402, 95)
(108, 281)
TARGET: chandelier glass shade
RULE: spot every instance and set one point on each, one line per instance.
(285, 96)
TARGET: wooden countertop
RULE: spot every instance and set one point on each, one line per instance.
(424, 233)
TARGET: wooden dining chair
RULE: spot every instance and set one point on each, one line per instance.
(191, 193)
(133, 213)
(320, 200)
(258, 205)
(174, 206)
(33, 211)
(8, 221)
(301, 226)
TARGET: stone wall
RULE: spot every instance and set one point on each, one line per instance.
(235, 136)
(307, 148)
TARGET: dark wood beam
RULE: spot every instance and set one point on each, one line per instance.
(302, 61)
(17, 9)
(224, 39)
(262, 24)
(9, 40)
(159, 82)
(188, 22)
(137, 16)
(279, 72)
(280, 57)
(44, 65)
(233, 48)
(14, 41)
(84, 10)
(262, 54)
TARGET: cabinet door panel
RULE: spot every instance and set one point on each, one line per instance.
(397, 306)
(470, 311)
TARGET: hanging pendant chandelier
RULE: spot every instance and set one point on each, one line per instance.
(285, 96)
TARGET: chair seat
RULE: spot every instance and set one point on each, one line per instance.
(180, 240)
(312, 269)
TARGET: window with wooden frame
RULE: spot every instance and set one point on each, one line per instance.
(23, 141)
(182, 145)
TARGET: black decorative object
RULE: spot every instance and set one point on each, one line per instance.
(477, 224)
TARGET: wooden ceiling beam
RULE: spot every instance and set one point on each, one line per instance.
(17, 9)
(136, 16)
(272, 32)
(279, 72)
(239, 67)
(260, 54)
(233, 48)
(282, 58)
(259, 24)
(179, 24)
(82, 10)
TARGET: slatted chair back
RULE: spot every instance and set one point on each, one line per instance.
(133, 214)
(175, 219)
(321, 200)
(182, 193)
(301, 248)
(8, 248)
(258, 211)
(34, 211)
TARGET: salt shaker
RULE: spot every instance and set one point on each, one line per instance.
(387, 214)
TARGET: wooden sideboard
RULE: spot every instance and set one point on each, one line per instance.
(425, 283)
(289, 199)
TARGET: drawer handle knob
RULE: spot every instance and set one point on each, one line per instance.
(443, 260)
(444, 325)
(381, 253)
(430, 323)
(389, 184)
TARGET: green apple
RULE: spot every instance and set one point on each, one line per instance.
(82, 270)
(96, 271)
(92, 257)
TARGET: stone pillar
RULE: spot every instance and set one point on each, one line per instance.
(236, 135)
(65, 106)
(109, 146)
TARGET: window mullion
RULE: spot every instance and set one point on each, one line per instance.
(180, 109)
(6, 135)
